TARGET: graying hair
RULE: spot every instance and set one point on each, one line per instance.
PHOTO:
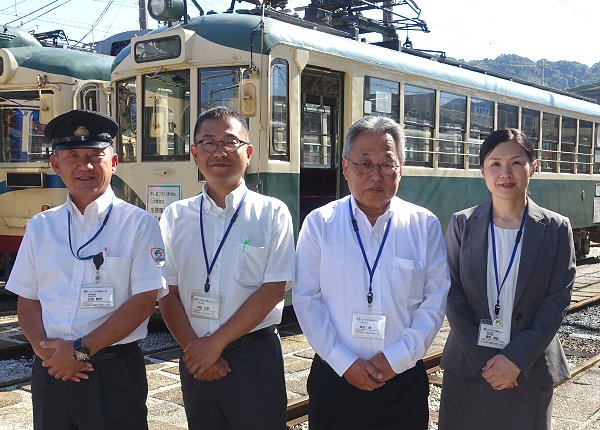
(376, 125)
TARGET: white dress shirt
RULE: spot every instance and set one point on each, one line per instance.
(46, 270)
(258, 249)
(410, 283)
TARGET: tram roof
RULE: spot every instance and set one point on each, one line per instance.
(239, 31)
(77, 64)
(11, 37)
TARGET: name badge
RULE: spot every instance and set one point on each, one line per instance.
(492, 335)
(95, 296)
(368, 325)
(205, 305)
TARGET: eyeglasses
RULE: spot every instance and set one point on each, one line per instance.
(365, 167)
(230, 145)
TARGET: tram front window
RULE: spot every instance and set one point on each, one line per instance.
(219, 87)
(21, 133)
(166, 116)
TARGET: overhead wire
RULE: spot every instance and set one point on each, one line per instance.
(108, 5)
(45, 12)
(31, 13)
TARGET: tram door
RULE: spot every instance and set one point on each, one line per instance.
(321, 138)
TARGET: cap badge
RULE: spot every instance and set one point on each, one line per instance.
(81, 131)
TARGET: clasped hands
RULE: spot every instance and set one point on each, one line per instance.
(369, 374)
(57, 356)
(501, 373)
(203, 359)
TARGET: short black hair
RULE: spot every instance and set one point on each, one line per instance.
(506, 135)
(220, 112)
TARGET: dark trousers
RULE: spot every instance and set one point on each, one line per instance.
(335, 404)
(114, 397)
(251, 397)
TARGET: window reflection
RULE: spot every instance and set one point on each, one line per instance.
(279, 148)
(166, 116)
(453, 118)
(21, 133)
(419, 117)
(381, 97)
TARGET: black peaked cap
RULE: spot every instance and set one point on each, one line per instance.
(81, 129)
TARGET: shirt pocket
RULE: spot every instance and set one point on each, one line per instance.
(117, 273)
(408, 280)
(250, 265)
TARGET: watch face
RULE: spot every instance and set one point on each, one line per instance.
(81, 356)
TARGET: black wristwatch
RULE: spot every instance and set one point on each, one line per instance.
(81, 352)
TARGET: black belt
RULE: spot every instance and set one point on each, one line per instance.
(252, 336)
(115, 351)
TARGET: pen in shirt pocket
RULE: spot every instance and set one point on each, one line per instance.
(246, 242)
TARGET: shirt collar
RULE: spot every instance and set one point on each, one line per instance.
(392, 208)
(232, 200)
(97, 208)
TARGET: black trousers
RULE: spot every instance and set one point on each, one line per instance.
(113, 398)
(251, 397)
(335, 404)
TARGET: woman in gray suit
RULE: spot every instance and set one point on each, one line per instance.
(512, 266)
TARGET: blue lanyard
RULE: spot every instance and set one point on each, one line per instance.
(512, 257)
(362, 248)
(214, 259)
(98, 259)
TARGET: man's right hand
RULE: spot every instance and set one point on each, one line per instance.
(362, 374)
(215, 372)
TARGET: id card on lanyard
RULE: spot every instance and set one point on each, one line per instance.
(206, 304)
(369, 324)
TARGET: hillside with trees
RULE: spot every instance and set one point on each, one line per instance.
(556, 74)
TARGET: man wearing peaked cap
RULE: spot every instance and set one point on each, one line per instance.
(88, 274)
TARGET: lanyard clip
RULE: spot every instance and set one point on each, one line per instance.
(370, 298)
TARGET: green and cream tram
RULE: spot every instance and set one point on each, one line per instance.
(36, 84)
(301, 88)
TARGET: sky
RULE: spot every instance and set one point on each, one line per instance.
(463, 29)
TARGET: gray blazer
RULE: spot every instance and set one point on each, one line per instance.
(543, 293)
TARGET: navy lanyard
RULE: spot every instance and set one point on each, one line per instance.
(98, 259)
(214, 259)
(362, 248)
(512, 257)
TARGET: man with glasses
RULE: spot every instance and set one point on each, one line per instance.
(88, 275)
(230, 258)
(370, 293)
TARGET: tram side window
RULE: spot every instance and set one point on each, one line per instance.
(382, 98)
(219, 87)
(508, 116)
(482, 124)
(280, 133)
(530, 125)
(166, 116)
(419, 123)
(21, 133)
(584, 147)
(549, 150)
(568, 138)
(127, 119)
(453, 123)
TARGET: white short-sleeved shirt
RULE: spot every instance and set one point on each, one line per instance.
(46, 270)
(258, 249)
(410, 283)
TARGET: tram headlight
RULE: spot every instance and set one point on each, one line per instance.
(166, 10)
